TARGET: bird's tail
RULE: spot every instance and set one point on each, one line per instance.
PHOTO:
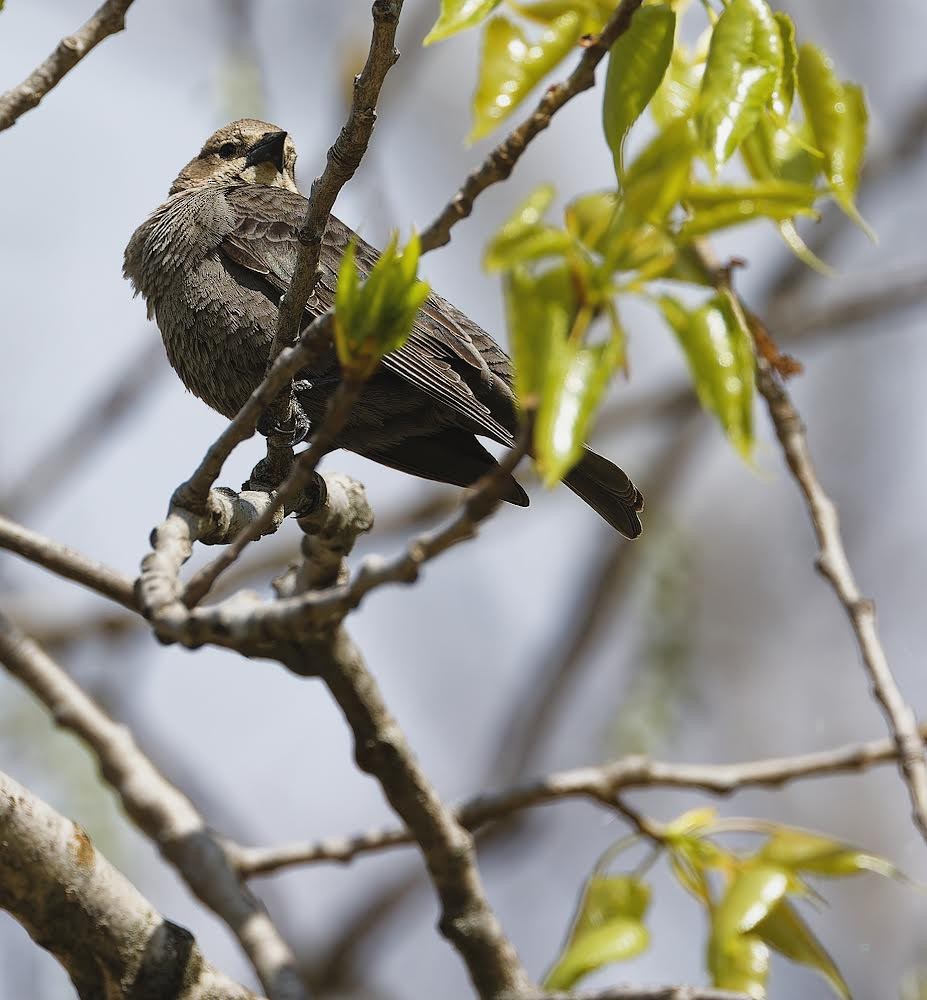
(608, 491)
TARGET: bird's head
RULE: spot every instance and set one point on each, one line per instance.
(246, 151)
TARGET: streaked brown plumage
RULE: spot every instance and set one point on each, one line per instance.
(212, 263)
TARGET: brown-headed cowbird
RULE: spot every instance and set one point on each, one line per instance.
(212, 263)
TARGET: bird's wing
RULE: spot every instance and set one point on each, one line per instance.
(447, 357)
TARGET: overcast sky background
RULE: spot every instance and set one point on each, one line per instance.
(768, 665)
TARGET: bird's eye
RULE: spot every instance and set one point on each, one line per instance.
(227, 150)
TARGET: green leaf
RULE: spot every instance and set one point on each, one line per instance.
(589, 218)
(512, 65)
(784, 93)
(608, 927)
(771, 152)
(636, 65)
(374, 318)
(802, 251)
(545, 11)
(576, 380)
(839, 122)
(740, 963)
(458, 15)
(654, 182)
(802, 851)
(717, 206)
(525, 236)
(698, 819)
(750, 897)
(540, 312)
(745, 61)
(784, 930)
(720, 356)
(677, 94)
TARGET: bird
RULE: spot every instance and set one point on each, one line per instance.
(212, 263)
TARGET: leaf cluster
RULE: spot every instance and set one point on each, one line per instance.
(749, 899)
(375, 316)
(745, 91)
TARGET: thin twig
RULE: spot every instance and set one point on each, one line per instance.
(108, 20)
(67, 562)
(833, 564)
(159, 810)
(499, 164)
(336, 416)
(599, 785)
(832, 561)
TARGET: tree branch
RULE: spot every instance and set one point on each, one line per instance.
(75, 904)
(833, 564)
(499, 164)
(159, 810)
(832, 561)
(67, 562)
(598, 784)
(108, 20)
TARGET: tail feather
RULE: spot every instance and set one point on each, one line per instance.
(608, 491)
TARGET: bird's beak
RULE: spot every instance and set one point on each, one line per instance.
(268, 149)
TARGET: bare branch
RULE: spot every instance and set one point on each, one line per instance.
(108, 20)
(308, 614)
(343, 159)
(159, 810)
(293, 487)
(645, 993)
(598, 784)
(381, 749)
(833, 564)
(832, 561)
(67, 562)
(499, 164)
(74, 903)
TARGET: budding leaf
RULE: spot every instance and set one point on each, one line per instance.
(375, 317)
(458, 15)
(540, 312)
(719, 352)
(575, 382)
(739, 963)
(839, 122)
(525, 236)
(745, 62)
(814, 854)
(637, 63)
(784, 92)
(717, 206)
(677, 94)
(512, 65)
(784, 930)
(608, 927)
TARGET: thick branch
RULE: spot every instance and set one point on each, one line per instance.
(307, 614)
(381, 749)
(598, 784)
(499, 164)
(108, 20)
(74, 903)
(159, 810)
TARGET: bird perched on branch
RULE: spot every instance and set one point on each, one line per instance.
(212, 263)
